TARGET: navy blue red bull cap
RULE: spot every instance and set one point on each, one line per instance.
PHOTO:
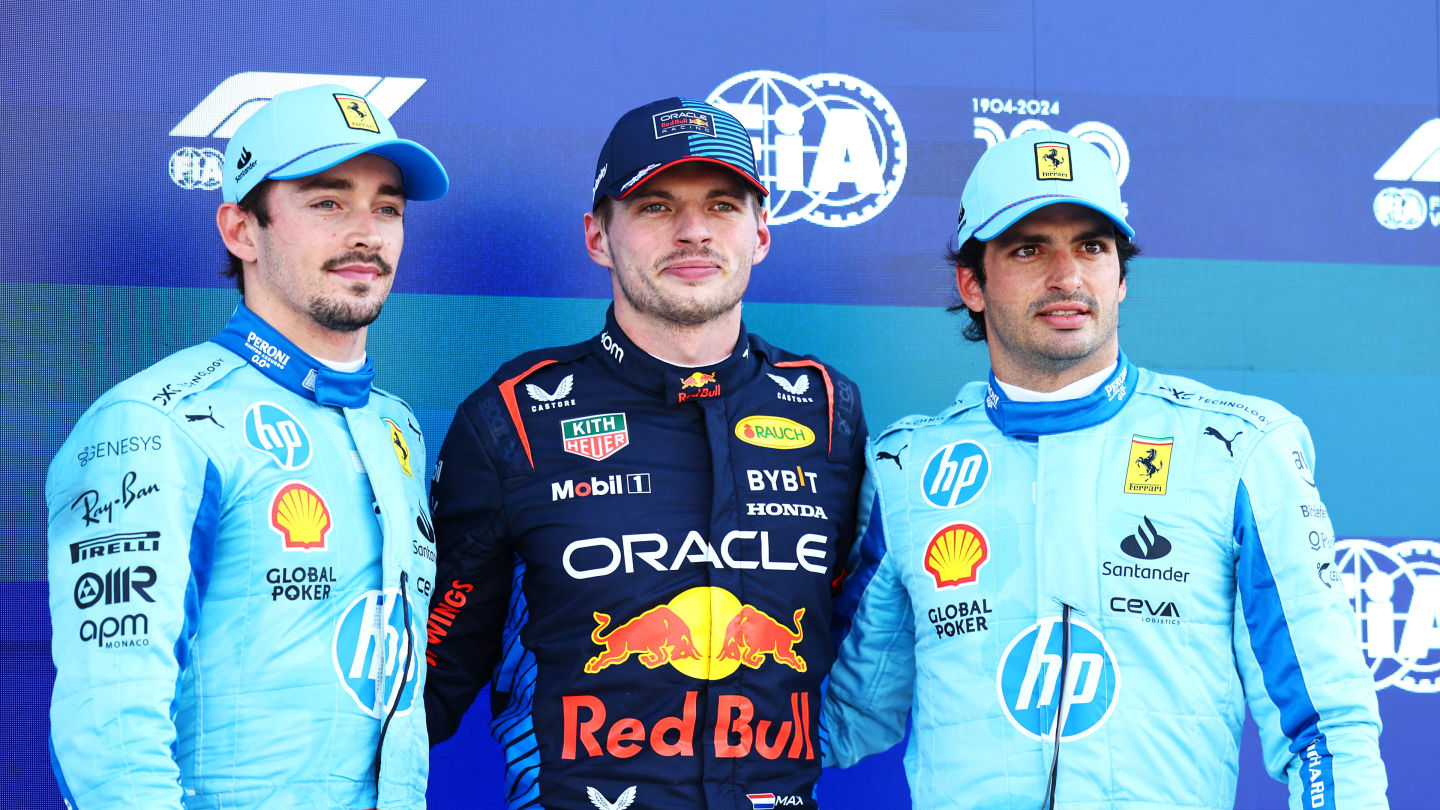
(650, 139)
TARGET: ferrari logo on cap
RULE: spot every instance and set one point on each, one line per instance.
(357, 113)
(1052, 162)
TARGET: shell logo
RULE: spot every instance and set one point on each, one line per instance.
(775, 432)
(955, 555)
(299, 515)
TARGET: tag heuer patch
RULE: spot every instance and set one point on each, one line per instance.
(595, 437)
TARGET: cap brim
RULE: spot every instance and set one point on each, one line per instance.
(1011, 214)
(764, 192)
(423, 175)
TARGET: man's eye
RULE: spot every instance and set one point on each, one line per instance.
(1094, 247)
(390, 210)
(326, 204)
(726, 206)
(1026, 250)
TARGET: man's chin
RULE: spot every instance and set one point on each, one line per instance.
(344, 318)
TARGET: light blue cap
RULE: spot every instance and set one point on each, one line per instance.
(303, 132)
(1030, 171)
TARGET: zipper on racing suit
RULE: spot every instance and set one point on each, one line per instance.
(405, 678)
(1049, 803)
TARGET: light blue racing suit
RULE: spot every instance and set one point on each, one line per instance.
(229, 531)
(1178, 529)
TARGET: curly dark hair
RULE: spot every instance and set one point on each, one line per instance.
(257, 202)
(972, 255)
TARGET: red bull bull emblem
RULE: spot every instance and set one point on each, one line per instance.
(704, 632)
(658, 636)
(698, 380)
(751, 635)
(707, 634)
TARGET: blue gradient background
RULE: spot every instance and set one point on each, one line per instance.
(1254, 131)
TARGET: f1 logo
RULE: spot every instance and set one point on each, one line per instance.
(238, 97)
(955, 474)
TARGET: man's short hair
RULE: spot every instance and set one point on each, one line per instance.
(256, 202)
(972, 255)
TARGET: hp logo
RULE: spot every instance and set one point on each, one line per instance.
(271, 429)
(955, 474)
(1028, 681)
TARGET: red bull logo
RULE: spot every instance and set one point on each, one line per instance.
(735, 734)
(752, 635)
(704, 632)
(706, 384)
(658, 636)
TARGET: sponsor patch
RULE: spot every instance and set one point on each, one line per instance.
(1149, 467)
(299, 515)
(1029, 686)
(955, 554)
(955, 474)
(683, 121)
(775, 432)
(272, 430)
(596, 437)
(357, 113)
(1052, 162)
(704, 632)
(402, 447)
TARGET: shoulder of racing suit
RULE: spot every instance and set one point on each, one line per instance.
(1182, 392)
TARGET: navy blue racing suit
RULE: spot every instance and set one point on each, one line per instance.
(640, 560)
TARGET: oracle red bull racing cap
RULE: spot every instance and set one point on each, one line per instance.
(650, 139)
(1027, 172)
(306, 131)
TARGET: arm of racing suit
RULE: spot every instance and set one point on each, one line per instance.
(870, 688)
(128, 566)
(473, 570)
(1295, 640)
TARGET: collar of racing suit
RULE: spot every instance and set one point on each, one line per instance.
(1029, 420)
(676, 384)
(273, 355)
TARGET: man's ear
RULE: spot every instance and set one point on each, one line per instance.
(597, 244)
(237, 231)
(969, 286)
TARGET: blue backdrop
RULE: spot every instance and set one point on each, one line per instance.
(1281, 163)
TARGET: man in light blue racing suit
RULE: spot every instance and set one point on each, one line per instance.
(240, 551)
(1076, 578)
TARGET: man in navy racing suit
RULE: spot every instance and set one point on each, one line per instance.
(240, 548)
(640, 535)
(1077, 576)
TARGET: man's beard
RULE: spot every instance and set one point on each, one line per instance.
(647, 298)
(344, 315)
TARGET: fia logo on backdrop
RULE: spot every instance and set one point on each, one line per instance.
(829, 147)
(234, 100)
(1395, 592)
